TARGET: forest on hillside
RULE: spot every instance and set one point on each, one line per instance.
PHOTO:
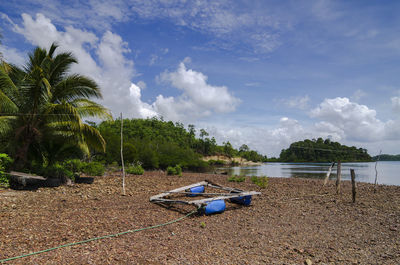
(320, 150)
(158, 144)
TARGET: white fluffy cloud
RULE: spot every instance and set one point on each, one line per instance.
(354, 121)
(198, 98)
(350, 121)
(114, 73)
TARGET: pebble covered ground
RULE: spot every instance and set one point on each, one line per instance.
(294, 221)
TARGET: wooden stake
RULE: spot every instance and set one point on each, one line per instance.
(328, 173)
(376, 171)
(339, 176)
(353, 184)
(122, 158)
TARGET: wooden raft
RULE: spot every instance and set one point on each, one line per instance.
(232, 193)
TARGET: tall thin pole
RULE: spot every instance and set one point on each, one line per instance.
(339, 176)
(376, 171)
(122, 157)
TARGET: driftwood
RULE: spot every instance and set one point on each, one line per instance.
(328, 173)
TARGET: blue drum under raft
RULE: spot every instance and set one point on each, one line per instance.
(244, 200)
(213, 207)
(194, 190)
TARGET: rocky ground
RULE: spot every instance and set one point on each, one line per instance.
(294, 221)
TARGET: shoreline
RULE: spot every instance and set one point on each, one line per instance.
(291, 221)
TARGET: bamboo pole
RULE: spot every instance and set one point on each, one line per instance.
(328, 173)
(353, 184)
(339, 177)
(122, 157)
(376, 171)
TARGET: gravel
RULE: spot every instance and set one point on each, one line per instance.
(294, 221)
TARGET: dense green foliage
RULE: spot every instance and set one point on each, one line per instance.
(159, 144)
(42, 108)
(323, 151)
(386, 157)
(78, 167)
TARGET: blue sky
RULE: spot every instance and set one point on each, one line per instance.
(264, 73)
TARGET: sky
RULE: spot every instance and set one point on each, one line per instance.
(262, 73)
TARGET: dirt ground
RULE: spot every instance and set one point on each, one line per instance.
(294, 221)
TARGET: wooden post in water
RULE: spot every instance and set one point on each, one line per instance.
(328, 173)
(339, 177)
(353, 184)
(122, 158)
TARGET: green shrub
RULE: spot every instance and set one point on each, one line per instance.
(57, 171)
(236, 179)
(5, 162)
(177, 170)
(4, 180)
(261, 182)
(94, 169)
(171, 170)
(135, 169)
(74, 165)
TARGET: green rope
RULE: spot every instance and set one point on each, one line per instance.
(98, 238)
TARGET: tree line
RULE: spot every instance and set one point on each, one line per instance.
(320, 150)
(156, 143)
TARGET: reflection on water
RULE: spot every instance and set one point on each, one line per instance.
(388, 171)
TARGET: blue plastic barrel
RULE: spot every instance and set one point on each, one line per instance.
(244, 200)
(198, 189)
(217, 206)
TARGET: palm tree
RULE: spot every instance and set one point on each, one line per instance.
(42, 107)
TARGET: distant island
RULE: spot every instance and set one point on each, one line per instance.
(320, 150)
(386, 157)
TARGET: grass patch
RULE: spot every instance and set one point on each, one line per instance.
(261, 182)
(236, 179)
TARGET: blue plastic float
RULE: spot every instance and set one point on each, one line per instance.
(244, 200)
(213, 207)
(198, 189)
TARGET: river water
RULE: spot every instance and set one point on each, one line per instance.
(388, 171)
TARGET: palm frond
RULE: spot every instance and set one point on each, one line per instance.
(75, 87)
(88, 108)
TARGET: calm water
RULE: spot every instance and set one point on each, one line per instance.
(388, 171)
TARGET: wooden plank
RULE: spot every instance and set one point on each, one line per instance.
(202, 183)
(236, 195)
(199, 193)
